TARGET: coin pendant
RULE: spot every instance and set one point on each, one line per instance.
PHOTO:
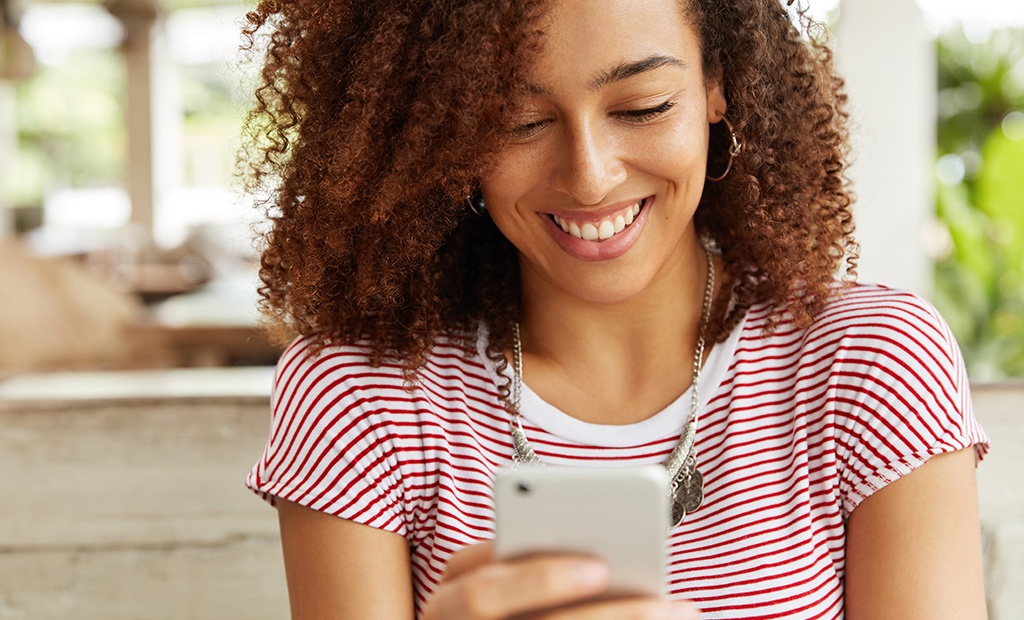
(688, 495)
(678, 512)
(691, 488)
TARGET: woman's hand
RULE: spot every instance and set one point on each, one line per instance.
(550, 587)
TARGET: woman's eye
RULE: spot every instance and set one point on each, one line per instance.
(646, 114)
(528, 129)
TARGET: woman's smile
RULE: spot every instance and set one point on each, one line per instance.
(599, 227)
(601, 234)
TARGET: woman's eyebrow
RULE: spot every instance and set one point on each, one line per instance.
(629, 69)
(621, 71)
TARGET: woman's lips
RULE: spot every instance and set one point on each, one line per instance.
(604, 237)
(600, 229)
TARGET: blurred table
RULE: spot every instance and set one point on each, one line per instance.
(215, 325)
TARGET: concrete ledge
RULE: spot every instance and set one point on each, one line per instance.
(132, 474)
(1004, 571)
(130, 504)
(237, 579)
(1000, 409)
(67, 390)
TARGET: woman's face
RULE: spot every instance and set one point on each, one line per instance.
(599, 186)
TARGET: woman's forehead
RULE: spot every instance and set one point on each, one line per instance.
(600, 41)
(601, 20)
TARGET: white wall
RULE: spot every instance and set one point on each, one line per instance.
(886, 54)
(8, 150)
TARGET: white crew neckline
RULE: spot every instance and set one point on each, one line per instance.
(670, 420)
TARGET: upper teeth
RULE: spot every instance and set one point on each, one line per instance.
(605, 228)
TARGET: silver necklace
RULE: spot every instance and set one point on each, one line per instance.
(687, 487)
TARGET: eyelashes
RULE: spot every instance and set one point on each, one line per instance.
(638, 117)
(646, 114)
(522, 132)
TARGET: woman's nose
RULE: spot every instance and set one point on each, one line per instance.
(590, 167)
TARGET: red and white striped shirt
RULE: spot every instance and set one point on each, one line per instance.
(796, 429)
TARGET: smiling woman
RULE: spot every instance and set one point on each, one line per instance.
(612, 132)
(591, 232)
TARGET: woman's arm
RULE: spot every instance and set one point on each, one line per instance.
(913, 548)
(342, 570)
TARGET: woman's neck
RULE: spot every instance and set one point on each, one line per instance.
(614, 363)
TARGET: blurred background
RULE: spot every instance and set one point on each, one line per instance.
(119, 126)
(134, 376)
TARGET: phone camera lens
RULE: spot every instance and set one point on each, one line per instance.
(522, 487)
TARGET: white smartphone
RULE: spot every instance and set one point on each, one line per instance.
(618, 514)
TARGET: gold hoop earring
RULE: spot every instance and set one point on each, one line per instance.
(735, 147)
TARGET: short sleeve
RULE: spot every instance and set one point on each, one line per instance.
(901, 396)
(330, 446)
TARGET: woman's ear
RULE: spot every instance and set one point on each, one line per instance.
(717, 105)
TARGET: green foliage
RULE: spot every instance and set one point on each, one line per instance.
(70, 127)
(72, 131)
(980, 199)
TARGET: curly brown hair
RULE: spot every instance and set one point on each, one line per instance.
(374, 119)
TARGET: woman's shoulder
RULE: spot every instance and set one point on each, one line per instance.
(310, 365)
(309, 355)
(352, 434)
(874, 342)
(862, 310)
(867, 335)
(897, 321)
(860, 298)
